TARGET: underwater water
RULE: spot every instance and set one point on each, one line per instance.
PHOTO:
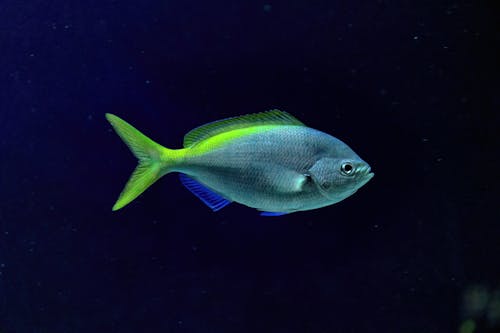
(411, 86)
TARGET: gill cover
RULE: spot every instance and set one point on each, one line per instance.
(320, 173)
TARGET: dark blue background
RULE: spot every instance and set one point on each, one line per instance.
(412, 86)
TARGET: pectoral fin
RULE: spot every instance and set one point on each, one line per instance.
(284, 180)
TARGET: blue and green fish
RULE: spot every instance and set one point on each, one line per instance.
(269, 161)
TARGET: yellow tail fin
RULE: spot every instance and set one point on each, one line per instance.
(151, 157)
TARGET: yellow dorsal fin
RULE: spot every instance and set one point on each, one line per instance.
(272, 117)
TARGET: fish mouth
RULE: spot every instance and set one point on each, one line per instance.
(366, 173)
(369, 173)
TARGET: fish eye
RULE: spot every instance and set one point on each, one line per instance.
(347, 168)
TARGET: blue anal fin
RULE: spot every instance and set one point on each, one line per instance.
(210, 198)
(272, 213)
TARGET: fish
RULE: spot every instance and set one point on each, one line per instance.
(269, 161)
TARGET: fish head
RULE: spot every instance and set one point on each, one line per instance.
(338, 178)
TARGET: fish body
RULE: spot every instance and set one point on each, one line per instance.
(269, 161)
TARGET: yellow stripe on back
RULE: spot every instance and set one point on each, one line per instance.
(273, 117)
(225, 138)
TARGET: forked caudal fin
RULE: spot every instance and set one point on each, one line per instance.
(154, 160)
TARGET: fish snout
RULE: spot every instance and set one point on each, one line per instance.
(364, 171)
